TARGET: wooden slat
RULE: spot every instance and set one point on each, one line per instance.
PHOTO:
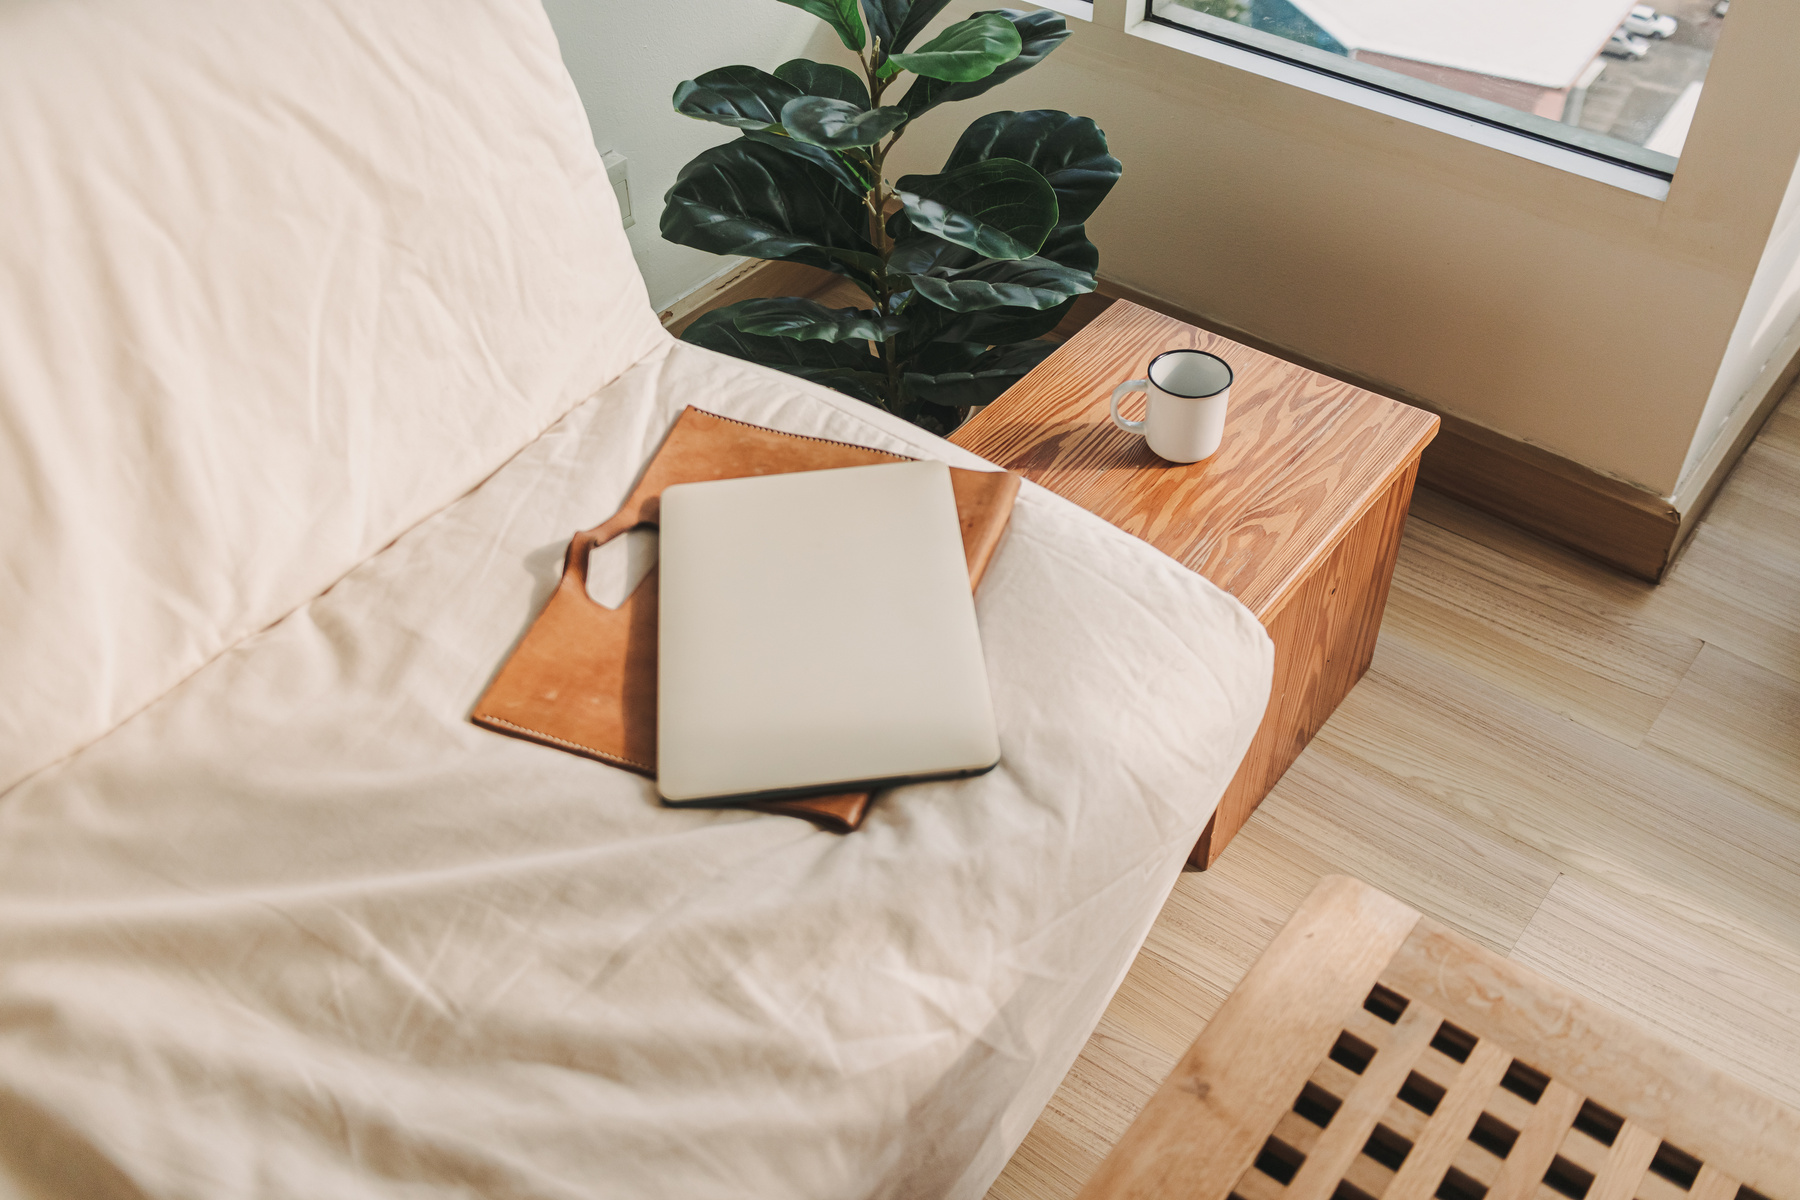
(1369, 1175)
(1585, 1152)
(1620, 1066)
(1439, 1068)
(1631, 1153)
(1256, 1186)
(1419, 1176)
(1478, 1163)
(1713, 1183)
(1516, 1111)
(1297, 1132)
(1361, 1023)
(1368, 1100)
(1405, 1120)
(1251, 1062)
(1335, 1078)
(1538, 1142)
(1654, 1187)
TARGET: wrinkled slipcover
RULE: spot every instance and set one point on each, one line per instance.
(300, 929)
(277, 281)
(297, 928)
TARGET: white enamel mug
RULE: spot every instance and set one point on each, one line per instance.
(1184, 404)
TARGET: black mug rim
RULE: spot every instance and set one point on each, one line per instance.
(1230, 375)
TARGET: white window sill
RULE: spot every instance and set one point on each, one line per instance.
(1325, 84)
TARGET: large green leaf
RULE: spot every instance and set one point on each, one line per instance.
(992, 327)
(967, 51)
(1067, 246)
(1039, 32)
(808, 320)
(824, 79)
(999, 208)
(1036, 282)
(947, 356)
(885, 17)
(838, 124)
(1068, 151)
(841, 15)
(980, 381)
(740, 96)
(898, 22)
(917, 17)
(749, 198)
(922, 254)
(846, 366)
(845, 169)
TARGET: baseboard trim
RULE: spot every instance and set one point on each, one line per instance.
(1554, 497)
(1557, 498)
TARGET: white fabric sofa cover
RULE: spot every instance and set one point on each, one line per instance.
(277, 281)
(291, 292)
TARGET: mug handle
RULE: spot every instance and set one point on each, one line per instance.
(1119, 393)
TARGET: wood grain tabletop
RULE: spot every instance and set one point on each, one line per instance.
(1303, 457)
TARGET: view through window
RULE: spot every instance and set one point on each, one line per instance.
(1608, 77)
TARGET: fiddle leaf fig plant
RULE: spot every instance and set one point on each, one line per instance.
(964, 271)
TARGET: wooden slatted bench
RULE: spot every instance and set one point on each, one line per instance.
(1371, 1054)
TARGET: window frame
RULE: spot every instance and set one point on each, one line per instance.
(1618, 161)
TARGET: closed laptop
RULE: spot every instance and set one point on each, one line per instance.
(816, 633)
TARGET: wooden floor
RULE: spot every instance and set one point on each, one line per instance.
(1596, 777)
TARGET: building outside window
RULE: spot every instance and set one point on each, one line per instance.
(1612, 78)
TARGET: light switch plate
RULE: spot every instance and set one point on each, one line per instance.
(618, 173)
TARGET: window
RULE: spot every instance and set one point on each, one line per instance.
(1607, 78)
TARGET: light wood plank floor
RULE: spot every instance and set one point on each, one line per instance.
(1597, 777)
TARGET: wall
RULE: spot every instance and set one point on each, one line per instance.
(626, 59)
(1767, 320)
(1577, 316)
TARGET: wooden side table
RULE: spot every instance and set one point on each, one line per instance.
(1298, 515)
(1371, 1054)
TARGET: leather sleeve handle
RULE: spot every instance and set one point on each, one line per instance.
(631, 516)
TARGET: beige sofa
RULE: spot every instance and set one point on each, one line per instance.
(319, 336)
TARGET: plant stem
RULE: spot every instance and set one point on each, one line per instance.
(876, 202)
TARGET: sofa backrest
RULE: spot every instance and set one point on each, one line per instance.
(278, 280)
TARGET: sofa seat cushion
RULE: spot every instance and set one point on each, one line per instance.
(300, 929)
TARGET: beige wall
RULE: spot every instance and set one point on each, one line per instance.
(626, 59)
(1765, 330)
(1579, 316)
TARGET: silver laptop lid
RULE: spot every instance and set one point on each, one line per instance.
(817, 633)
